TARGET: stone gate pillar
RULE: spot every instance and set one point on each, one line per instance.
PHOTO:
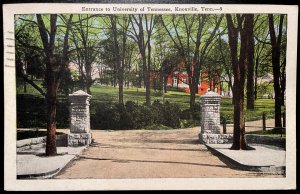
(210, 113)
(210, 120)
(79, 119)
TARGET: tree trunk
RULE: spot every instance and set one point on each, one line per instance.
(117, 56)
(165, 83)
(147, 84)
(121, 101)
(238, 66)
(192, 98)
(51, 112)
(283, 82)
(239, 125)
(256, 76)
(88, 87)
(275, 42)
(250, 63)
(192, 86)
(89, 81)
(146, 76)
(276, 72)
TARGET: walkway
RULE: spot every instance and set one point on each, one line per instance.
(150, 154)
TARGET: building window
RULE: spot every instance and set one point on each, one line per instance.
(184, 71)
(184, 80)
(174, 81)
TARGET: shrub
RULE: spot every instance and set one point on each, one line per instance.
(171, 115)
(189, 123)
(133, 112)
(195, 114)
(133, 116)
(106, 116)
(31, 112)
(145, 117)
(157, 108)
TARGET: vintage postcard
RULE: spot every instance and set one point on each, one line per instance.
(149, 96)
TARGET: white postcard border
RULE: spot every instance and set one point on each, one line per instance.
(11, 183)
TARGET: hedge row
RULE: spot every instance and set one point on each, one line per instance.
(31, 113)
(133, 116)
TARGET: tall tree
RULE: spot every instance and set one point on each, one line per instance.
(117, 55)
(276, 50)
(119, 27)
(239, 71)
(55, 63)
(142, 26)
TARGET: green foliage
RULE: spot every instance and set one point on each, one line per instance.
(133, 116)
(169, 114)
(31, 112)
(107, 116)
(265, 88)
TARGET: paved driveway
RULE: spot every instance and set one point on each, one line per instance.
(150, 154)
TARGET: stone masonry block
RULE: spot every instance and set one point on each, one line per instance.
(81, 139)
(215, 138)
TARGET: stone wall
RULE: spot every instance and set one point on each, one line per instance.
(267, 140)
(207, 138)
(79, 139)
(39, 142)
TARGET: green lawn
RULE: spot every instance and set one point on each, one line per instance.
(110, 94)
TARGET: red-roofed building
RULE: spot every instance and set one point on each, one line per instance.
(180, 79)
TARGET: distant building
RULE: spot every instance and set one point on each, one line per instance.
(179, 78)
(96, 73)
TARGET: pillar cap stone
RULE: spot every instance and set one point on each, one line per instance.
(210, 94)
(80, 93)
